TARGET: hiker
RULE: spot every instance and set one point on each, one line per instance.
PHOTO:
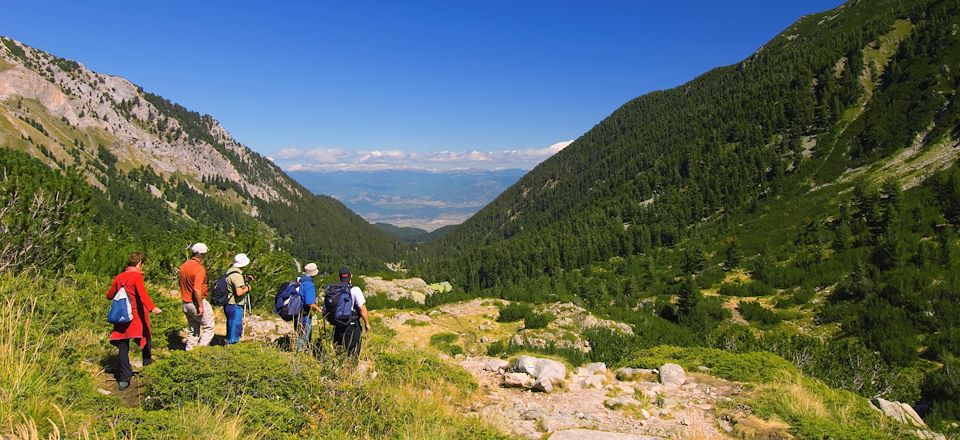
(238, 288)
(303, 324)
(346, 329)
(138, 329)
(193, 292)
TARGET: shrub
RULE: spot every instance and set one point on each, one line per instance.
(514, 312)
(265, 386)
(538, 320)
(754, 311)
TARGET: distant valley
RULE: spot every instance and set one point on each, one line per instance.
(412, 198)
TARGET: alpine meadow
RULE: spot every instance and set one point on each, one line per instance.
(768, 251)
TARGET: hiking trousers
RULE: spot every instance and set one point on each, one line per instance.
(303, 326)
(201, 327)
(347, 337)
(234, 313)
(122, 370)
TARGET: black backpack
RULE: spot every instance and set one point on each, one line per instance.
(338, 304)
(220, 294)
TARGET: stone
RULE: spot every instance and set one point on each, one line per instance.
(496, 365)
(595, 368)
(545, 386)
(589, 434)
(725, 425)
(594, 381)
(103, 391)
(547, 373)
(558, 423)
(622, 401)
(517, 380)
(672, 375)
(899, 411)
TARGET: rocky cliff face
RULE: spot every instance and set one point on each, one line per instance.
(70, 110)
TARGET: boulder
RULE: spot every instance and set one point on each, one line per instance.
(558, 423)
(622, 401)
(589, 434)
(547, 373)
(496, 365)
(595, 368)
(518, 380)
(672, 375)
(899, 411)
(594, 381)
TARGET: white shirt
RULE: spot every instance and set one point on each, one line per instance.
(357, 295)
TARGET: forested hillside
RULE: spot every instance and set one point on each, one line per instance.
(159, 175)
(799, 202)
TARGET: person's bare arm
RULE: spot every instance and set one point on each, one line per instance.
(316, 308)
(365, 316)
(242, 290)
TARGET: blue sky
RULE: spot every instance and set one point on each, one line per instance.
(433, 84)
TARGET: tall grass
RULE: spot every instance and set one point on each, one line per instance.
(25, 381)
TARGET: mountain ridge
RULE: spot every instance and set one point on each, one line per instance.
(58, 111)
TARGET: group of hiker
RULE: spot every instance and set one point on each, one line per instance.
(343, 306)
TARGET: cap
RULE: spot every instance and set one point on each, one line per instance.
(344, 272)
(241, 260)
(199, 248)
(311, 269)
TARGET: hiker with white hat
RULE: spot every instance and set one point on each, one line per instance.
(238, 290)
(303, 324)
(193, 293)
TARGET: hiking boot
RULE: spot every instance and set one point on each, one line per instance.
(123, 385)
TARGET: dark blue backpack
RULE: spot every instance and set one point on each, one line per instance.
(338, 305)
(288, 303)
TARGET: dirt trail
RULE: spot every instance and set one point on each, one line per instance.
(687, 411)
(652, 410)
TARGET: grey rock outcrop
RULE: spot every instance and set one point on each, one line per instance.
(899, 411)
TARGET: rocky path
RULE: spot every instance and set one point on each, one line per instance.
(593, 403)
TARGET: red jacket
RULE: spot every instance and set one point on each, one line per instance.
(139, 328)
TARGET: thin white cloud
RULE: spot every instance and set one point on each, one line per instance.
(336, 159)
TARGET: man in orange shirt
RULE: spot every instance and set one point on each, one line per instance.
(193, 292)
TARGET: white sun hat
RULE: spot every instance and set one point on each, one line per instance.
(199, 248)
(241, 260)
(311, 269)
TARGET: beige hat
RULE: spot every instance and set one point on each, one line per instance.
(241, 260)
(198, 248)
(311, 269)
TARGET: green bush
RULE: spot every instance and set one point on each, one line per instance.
(514, 312)
(538, 320)
(263, 385)
(754, 311)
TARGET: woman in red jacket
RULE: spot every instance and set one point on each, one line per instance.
(138, 328)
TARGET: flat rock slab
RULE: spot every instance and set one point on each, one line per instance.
(589, 434)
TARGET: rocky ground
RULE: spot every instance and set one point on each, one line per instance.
(594, 402)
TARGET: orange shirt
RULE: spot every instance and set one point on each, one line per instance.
(193, 278)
